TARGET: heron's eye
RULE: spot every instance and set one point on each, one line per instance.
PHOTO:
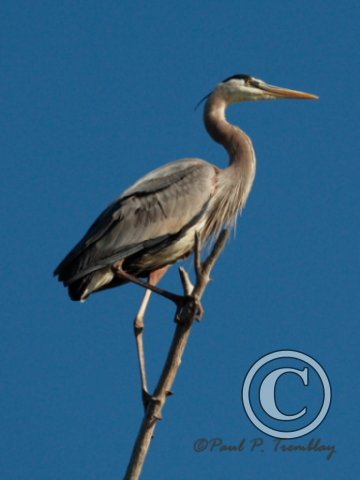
(245, 81)
(248, 81)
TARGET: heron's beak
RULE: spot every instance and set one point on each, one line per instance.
(278, 92)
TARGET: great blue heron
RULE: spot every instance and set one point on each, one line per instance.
(153, 224)
(162, 217)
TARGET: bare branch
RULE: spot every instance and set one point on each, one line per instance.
(185, 319)
(186, 282)
(197, 257)
(216, 251)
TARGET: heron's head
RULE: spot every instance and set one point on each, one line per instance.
(242, 88)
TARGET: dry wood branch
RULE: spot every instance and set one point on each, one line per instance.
(185, 319)
(186, 282)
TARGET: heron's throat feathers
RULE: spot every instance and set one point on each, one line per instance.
(229, 200)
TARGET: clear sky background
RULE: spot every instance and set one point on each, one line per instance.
(94, 95)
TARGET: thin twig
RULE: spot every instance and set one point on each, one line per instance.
(185, 319)
(197, 257)
(186, 282)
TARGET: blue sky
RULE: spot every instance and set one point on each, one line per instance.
(94, 95)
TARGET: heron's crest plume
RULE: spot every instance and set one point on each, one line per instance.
(238, 76)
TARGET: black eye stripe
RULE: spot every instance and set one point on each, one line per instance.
(240, 76)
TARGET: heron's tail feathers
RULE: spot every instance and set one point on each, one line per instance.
(79, 290)
(81, 287)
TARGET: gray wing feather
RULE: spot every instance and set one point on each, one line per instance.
(158, 205)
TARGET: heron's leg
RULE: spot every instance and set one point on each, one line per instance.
(138, 330)
(154, 278)
(179, 300)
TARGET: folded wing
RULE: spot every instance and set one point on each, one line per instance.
(157, 207)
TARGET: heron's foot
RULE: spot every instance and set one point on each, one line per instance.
(200, 311)
(189, 305)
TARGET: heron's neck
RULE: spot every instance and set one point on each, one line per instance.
(234, 140)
